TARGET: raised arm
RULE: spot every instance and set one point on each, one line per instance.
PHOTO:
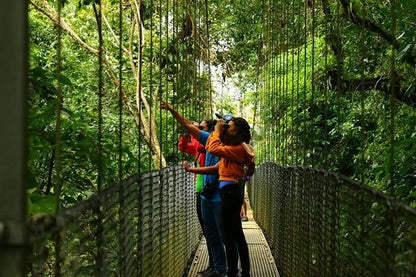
(186, 123)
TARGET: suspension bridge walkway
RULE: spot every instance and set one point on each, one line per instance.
(332, 89)
(261, 259)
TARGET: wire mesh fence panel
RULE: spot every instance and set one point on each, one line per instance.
(321, 224)
(145, 226)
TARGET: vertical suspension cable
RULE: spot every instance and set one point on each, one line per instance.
(257, 81)
(393, 87)
(339, 74)
(283, 83)
(197, 58)
(140, 78)
(279, 79)
(167, 92)
(200, 55)
(269, 78)
(324, 154)
(265, 78)
(292, 92)
(58, 110)
(58, 162)
(189, 59)
(100, 239)
(272, 82)
(338, 93)
(312, 119)
(260, 78)
(275, 108)
(362, 148)
(122, 223)
(304, 131)
(151, 93)
(184, 64)
(298, 47)
(167, 61)
(194, 64)
(139, 150)
(175, 37)
(160, 83)
(174, 72)
(120, 92)
(209, 56)
(161, 122)
(100, 95)
(280, 46)
(362, 106)
(151, 132)
(305, 65)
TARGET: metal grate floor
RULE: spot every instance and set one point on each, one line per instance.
(261, 259)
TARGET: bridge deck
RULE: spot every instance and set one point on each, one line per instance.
(261, 259)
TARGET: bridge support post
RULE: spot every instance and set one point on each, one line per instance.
(13, 146)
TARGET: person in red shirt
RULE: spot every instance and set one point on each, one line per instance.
(189, 144)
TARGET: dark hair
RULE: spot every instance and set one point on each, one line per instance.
(211, 124)
(242, 132)
(243, 129)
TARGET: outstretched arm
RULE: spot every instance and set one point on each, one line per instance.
(186, 123)
(202, 170)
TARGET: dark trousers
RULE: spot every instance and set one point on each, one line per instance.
(232, 200)
(201, 222)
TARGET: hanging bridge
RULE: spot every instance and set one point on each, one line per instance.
(100, 191)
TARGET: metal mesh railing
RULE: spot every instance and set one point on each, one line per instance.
(321, 224)
(145, 226)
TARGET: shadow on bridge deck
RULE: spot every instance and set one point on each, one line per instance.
(261, 259)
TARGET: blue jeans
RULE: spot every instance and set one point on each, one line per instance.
(211, 213)
(201, 222)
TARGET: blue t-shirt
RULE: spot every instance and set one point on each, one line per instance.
(210, 160)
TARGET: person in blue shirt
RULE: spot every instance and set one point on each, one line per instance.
(210, 205)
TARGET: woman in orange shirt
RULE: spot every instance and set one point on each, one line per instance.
(229, 141)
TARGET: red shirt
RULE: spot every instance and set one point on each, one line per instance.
(192, 147)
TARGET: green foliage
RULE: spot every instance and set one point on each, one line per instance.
(170, 70)
(44, 204)
(309, 120)
(300, 78)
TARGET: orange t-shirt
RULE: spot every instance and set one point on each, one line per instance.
(233, 158)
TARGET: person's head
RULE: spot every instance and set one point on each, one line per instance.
(207, 125)
(236, 132)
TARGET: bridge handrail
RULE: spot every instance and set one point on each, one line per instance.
(323, 224)
(144, 226)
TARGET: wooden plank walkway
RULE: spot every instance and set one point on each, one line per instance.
(261, 260)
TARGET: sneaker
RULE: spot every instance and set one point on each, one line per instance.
(206, 271)
(244, 218)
